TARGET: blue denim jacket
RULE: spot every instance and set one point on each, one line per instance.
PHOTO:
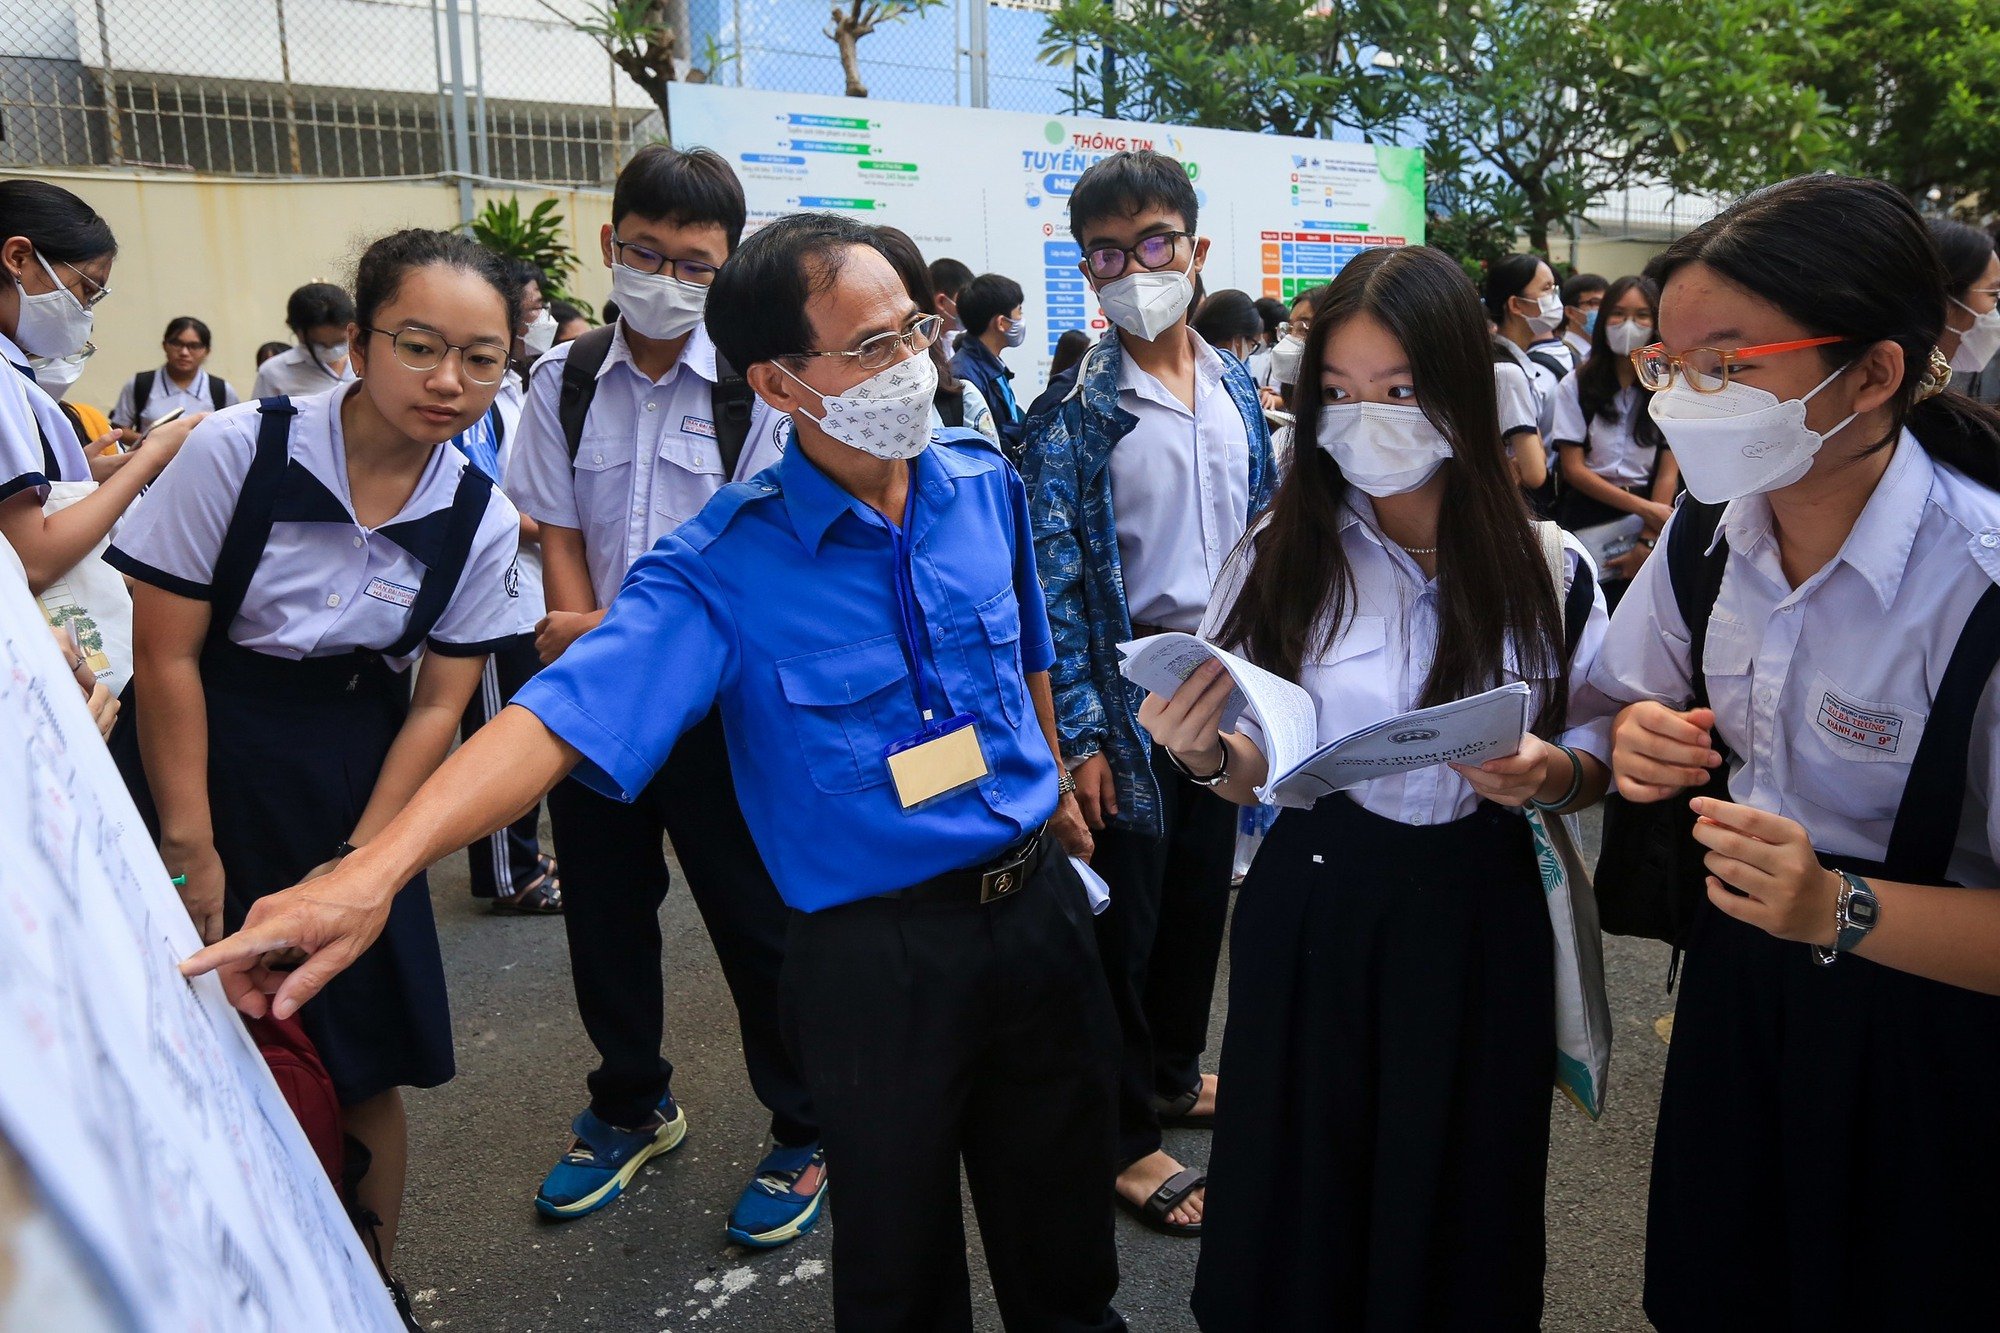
(1066, 464)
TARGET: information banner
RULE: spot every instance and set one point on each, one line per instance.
(991, 188)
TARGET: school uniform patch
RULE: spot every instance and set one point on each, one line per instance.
(393, 593)
(512, 579)
(1873, 730)
(701, 426)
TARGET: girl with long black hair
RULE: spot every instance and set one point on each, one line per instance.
(1825, 1154)
(1971, 337)
(1379, 1158)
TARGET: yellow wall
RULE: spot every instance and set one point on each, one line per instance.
(1612, 259)
(229, 251)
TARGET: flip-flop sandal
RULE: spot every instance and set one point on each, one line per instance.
(541, 898)
(1177, 1112)
(1169, 1196)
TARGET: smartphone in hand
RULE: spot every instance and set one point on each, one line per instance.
(174, 415)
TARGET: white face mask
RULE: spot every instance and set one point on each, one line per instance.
(53, 324)
(1286, 354)
(887, 415)
(1017, 332)
(328, 353)
(1741, 441)
(1146, 305)
(1549, 315)
(1628, 337)
(1383, 448)
(540, 335)
(657, 305)
(54, 375)
(1976, 345)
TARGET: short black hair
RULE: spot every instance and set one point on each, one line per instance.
(1126, 184)
(949, 276)
(985, 299)
(1228, 314)
(186, 324)
(1579, 285)
(61, 226)
(562, 312)
(757, 306)
(265, 351)
(1273, 312)
(318, 303)
(388, 261)
(685, 188)
(522, 272)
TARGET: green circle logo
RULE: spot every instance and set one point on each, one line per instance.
(1193, 170)
(1055, 132)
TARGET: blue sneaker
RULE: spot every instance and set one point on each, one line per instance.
(604, 1158)
(773, 1211)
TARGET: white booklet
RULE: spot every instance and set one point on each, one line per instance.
(1607, 541)
(1465, 731)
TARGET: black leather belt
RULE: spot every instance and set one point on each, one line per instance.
(999, 878)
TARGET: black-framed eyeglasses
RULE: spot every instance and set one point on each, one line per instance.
(1152, 253)
(641, 259)
(179, 346)
(421, 350)
(886, 349)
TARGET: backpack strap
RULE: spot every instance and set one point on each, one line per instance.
(579, 383)
(142, 393)
(218, 392)
(1926, 828)
(249, 530)
(1549, 363)
(732, 400)
(468, 507)
(1695, 573)
(951, 406)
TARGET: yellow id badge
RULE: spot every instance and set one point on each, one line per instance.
(938, 760)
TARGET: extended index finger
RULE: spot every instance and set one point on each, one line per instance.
(236, 953)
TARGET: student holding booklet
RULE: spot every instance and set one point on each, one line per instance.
(1381, 1153)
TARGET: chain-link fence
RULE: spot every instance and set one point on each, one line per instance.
(524, 90)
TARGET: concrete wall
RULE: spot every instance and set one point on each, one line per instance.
(230, 251)
(1613, 259)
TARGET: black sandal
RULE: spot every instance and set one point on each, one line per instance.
(1177, 1112)
(1170, 1195)
(541, 898)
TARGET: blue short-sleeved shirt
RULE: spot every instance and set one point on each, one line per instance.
(777, 601)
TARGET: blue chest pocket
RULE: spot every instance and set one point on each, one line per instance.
(848, 707)
(1000, 615)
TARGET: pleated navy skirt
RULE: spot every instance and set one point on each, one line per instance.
(1382, 1129)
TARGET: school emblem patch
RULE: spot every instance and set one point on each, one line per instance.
(512, 579)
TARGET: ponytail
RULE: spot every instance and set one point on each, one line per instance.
(1960, 432)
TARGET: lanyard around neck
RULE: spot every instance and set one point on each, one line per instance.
(909, 624)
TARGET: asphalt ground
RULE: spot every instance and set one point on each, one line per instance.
(477, 1256)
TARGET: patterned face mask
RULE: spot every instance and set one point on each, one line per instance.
(887, 415)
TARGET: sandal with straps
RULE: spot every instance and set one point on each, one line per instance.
(1171, 1194)
(543, 897)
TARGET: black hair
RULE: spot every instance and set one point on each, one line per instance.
(1071, 344)
(1313, 297)
(949, 276)
(318, 303)
(1597, 378)
(985, 299)
(562, 312)
(684, 188)
(522, 272)
(757, 306)
(1227, 314)
(265, 351)
(1273, 312)
(1493, 579)
(60, 225)
(908, 261)
(1506, 279)
(388, 261)
(1964, 251)
(1127, 184)
(189, 324)
(1579, 285)
(1793, 244)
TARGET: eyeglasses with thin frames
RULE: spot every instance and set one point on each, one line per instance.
(98, 291)
(1707, 368)
(423, 351)
(644, 259)
(886, 349)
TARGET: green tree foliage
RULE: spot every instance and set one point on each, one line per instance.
(644, 38)
(855, 19)
(535, 236)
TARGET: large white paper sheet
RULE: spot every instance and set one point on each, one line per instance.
(137, 1101)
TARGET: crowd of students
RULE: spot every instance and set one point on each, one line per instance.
(775, 565)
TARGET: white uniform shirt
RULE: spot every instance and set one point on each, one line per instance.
(28, 416)
(1612, 451)
(165, 396)
(1540, 379)
(648, 460)
(1821, 692)
(1180, 490)
(1520, 410)
(325, 584)
(296, 373)
(1579, 346)
(1558, 351)
(1377, 666)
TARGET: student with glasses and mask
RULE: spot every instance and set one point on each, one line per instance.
(56, 253)
(304, 560)
(1971, 337)
(892, 737)
(1821, 625)
(181, 384)
(628, 432)
(318, 315)
(1165, 433)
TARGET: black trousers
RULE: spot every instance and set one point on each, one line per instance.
(935, 1033)
(1160, 940)
(504, 861)
(615, 878)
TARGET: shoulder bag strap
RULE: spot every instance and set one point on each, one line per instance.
(1926, 828)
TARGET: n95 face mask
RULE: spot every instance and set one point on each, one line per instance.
(1548, 316)
(1977, 344)
(657, 305)
(540, 334)
(1741, 440)
(1146, 305)
(1383, 448)
(1628, 337)
(1286, 354)
(54, 323)
(888, 414)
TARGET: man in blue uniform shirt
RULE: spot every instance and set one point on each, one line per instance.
(867, 617)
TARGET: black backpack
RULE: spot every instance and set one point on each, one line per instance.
(731, 398)
(142, 392)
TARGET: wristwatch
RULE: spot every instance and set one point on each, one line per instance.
(344, 849)
(1856, 912)
(1215, 779)
(1065, 783)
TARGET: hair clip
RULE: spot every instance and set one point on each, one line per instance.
(1937, 377)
